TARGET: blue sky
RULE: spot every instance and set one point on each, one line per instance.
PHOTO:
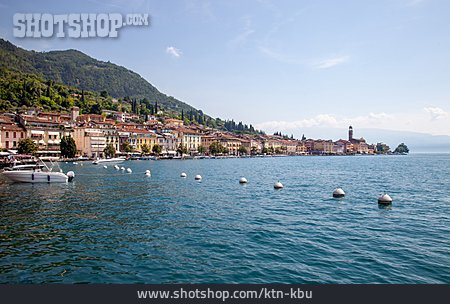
(281, 65)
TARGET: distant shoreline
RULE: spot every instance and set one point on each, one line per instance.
(144, 158)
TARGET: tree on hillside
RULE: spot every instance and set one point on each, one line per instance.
(110, 150)
(242, 150)
(402, 148)
(217, 148)
(201, 149)
(126, 147)
(157, 149)
(68, 147)
(27, 146)
(182, 149)
(145, 149)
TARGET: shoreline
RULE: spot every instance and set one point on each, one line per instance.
(154, 158)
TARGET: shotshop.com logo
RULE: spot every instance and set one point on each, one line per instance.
(74, 25)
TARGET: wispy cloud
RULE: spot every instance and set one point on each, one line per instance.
(278, 56)
(242, 37)
(270, 45)
(436, 113)
(173, 51)
(331, 62)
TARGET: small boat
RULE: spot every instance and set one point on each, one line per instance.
(108, 160)
(37, 173)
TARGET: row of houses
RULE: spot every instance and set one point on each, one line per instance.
(93, 132)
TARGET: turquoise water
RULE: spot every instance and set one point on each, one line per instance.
(113, 227)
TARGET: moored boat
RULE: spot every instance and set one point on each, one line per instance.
(36, 173)
(108, 160)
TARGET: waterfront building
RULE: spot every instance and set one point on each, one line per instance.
(112, 137)
(89, 141)
(325, 147)
(301, 148)
(229, 142)
(256, 145)
(247, 144)
(10, 133)
(309, 145)
(289, 146)
(46, 131)
(140, 137)
(359, 145)
(272, 143)
(344, 147)
(207, 140)
(168, 143)
(189, 138)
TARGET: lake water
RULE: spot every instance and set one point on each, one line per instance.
(113, 227)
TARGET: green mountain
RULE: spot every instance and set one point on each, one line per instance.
(58, 80)
(76, 69)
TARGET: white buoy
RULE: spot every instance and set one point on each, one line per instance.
(116, 167)
(338, 192)
(278, 185)
(81, 164)
(198, 177)
(148, 174)
(66, 162)
(70, 175)
(106, 167)
(243, 180)
(129, 170)
(385, 199)
(75, 163)
(147, 171)
(122, 168)
(183, 174)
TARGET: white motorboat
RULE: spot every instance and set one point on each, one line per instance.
(108, 160)
(37, 173)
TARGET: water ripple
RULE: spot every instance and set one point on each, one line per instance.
(114, 227)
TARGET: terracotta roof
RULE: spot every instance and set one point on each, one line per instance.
(187, 131)
(11, 127)
(37, 119)
(143, 131)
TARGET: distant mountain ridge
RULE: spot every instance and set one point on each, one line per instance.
(76, 69)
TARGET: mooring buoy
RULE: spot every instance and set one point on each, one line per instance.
(338, 192)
